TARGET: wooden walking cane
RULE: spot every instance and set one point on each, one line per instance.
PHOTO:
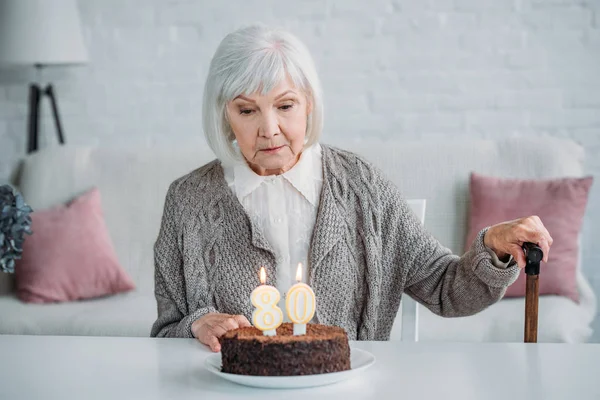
(533, 256)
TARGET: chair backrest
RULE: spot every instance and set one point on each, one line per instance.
(406, 324)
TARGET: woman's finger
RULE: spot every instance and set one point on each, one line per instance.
(539, 236)
(214, 344)
(547, 235)
(229, 323)
(217, 330)
(215, 326)
(543, 243)
(206, 336)
(242, 321)
(223, 325)
(519, 256)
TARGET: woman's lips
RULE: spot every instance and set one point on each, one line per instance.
(272, 150)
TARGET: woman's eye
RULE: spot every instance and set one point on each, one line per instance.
(286, 107)
(245, 111)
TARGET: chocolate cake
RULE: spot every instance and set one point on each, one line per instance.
(246, 351)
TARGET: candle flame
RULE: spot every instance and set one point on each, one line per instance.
(299, 273)
(263, 276)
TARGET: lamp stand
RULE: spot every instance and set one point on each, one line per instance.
(36, 93)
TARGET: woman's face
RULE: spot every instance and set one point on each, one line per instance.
(270, 129)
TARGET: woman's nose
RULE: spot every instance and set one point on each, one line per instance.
(269, 125)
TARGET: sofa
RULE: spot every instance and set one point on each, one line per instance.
(133, 183)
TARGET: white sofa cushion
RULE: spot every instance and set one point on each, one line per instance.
(559, 320)
(130, 314)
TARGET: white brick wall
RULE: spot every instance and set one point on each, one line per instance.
(411, 68)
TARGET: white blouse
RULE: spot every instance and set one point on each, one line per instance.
(284, 207)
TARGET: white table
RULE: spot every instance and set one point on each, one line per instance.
(72, 367)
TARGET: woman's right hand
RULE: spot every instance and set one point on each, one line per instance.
(210, 327)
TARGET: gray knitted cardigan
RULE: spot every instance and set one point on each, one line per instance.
(367, 249)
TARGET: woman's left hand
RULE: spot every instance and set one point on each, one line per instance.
(508, 237)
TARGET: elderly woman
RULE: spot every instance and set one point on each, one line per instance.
(276, 196)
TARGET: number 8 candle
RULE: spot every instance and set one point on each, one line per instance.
(300, 304)
(266, 316)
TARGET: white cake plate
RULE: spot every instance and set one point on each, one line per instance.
(359, 361)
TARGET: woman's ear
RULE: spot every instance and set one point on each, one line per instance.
(309, 105)
(230, 134)
(226, 112)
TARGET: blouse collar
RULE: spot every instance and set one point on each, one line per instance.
(303, 176)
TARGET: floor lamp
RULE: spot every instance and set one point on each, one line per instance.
(40, 33)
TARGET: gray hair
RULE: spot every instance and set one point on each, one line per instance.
(251, 59)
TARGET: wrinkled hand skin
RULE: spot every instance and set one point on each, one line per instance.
(210, 327)
(507, 238)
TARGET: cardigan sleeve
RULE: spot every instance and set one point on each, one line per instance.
(449, 285)
(174, 318)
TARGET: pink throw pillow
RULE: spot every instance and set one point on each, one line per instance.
(560, 204)
(70, 255)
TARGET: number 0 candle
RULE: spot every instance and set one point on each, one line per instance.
(266, 316)
(300, 304)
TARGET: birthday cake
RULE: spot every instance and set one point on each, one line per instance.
(324, 349)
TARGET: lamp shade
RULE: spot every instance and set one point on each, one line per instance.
(41, 32)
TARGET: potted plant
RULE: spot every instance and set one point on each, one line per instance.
(15, 222)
